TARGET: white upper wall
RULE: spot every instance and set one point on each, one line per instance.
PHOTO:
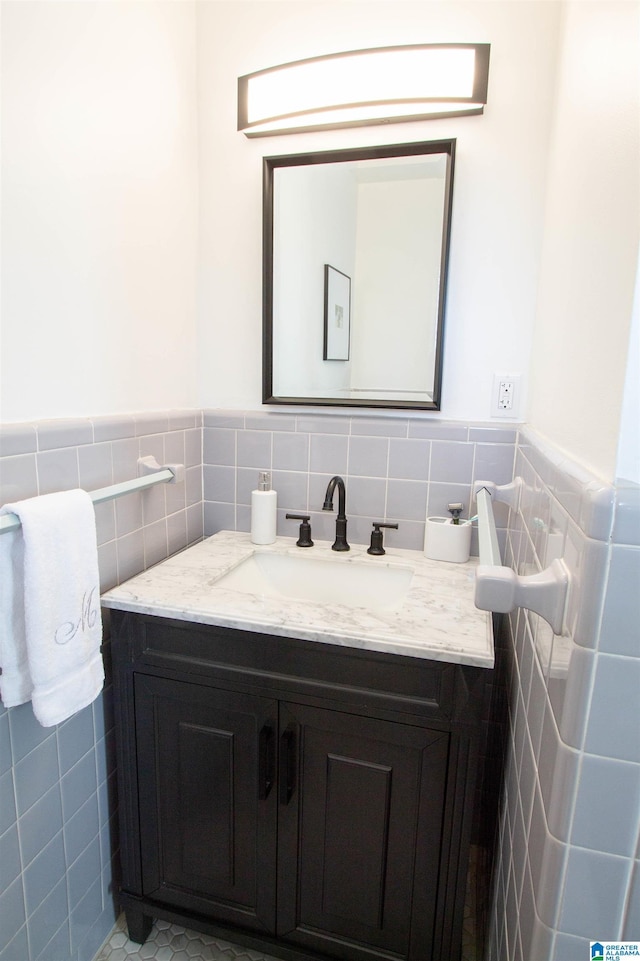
(108, 134)
(99, 208)
(499, 182)
(591, 238)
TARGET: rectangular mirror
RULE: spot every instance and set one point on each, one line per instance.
(355, 253)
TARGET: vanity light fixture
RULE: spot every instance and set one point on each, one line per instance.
(361, 87)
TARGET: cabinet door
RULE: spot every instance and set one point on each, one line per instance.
(206, 767)
(360, 834)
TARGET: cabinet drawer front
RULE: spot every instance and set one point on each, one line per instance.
(207, 822)
(287, 666)
(365, 823)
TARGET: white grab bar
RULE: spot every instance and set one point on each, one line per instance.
(499, 588)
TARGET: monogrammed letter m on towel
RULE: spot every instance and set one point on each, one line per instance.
(51, 624)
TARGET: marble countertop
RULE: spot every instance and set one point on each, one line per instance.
(436, 619)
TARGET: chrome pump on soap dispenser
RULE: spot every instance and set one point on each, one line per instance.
(264, 505)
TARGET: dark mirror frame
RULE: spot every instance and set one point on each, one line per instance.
(270, 164)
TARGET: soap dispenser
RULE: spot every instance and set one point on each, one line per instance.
(264, 504)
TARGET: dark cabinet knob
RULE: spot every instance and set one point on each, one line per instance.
(287, 764)
(266, 761)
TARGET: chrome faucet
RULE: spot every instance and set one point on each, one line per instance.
(340, 543)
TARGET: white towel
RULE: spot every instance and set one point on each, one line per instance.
(50, 622)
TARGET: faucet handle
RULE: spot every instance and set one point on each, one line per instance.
(304, 540)
(376, 538)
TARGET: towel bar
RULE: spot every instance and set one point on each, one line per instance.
(153, 473)
(499, 588)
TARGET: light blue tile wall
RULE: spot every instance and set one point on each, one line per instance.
(58, 806)
(569, 833)
(395, 468)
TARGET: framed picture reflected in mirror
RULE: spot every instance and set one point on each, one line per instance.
(337, 314)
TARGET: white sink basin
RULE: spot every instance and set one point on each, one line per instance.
(352, 584)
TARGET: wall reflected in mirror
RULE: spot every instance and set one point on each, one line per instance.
(355, 253)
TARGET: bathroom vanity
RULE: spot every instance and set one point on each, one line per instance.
(295, 775)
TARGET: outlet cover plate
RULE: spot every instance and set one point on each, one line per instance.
(505, 396)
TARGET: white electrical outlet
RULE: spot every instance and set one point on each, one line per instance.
(505, 399)
(505, 395)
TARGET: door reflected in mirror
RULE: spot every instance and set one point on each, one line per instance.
(356, 246)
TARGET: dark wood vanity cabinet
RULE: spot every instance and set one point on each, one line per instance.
(309, 800)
